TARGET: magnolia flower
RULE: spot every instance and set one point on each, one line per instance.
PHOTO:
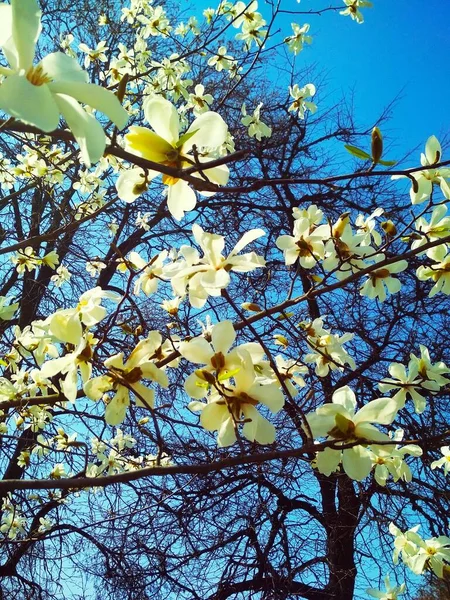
(235, 396)
(215, 357)
(353, 9)
(381, 279)
(7, 310)
(391, 593)
(424, 180)
(70, 363)
(403, 546)
(390, 461)
(300, 103)
(366, 225)
(306, 243)
(164, 145)
(345, 252)
(328, 353)
(256, 128)
(296, 41)
(437, 228)
(199, 101)
(438, 272)
(339, 422)
(443, 462)
(221, 60)
(39, 94)
(406, 384)
(209, 275)
(432, 553)
(124, 378)
(150, 271)
(66, 324)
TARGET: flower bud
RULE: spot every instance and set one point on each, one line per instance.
(251, 306)
(389, 228)
(377, 145)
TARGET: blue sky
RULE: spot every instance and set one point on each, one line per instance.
(402, 48)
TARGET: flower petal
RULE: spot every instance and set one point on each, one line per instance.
(95, 96)
(377, 411)
(86, 129)
(163, 118)
(210, 131)
(328, 461)
(223, 336)
(61, 67)
(356, 462)
(5, 23)
(180, 199)
(143, 142)
(257, 428)
(246, 239)
(346, 398)
(26, 28)
(30, 103)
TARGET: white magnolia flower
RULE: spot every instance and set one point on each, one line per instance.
(256, 128)
(164, 145)
(353, 11)
(443, 462)
(70, 364)
(439, 272)
(209, 275)
(391, 593)
(39, 94)
(296, 41)
(390, 461)
(338, 422)
(66, 324)
(235, 397)
(381, 279)
(124, 378)
(366, 225)
(306, 243)
(432, 553)
(300, 95)
(437, 228)
(424, 180)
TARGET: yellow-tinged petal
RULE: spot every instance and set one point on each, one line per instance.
(33, 104)
(143, 142)
(117, 409)
(65, 325)
(146, 397)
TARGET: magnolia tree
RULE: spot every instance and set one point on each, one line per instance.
(223, 363)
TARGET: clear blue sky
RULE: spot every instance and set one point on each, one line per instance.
(402, 47)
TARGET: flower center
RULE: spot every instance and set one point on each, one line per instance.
(36, 76)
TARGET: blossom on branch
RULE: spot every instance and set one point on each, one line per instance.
(164, 145)
(39, 94)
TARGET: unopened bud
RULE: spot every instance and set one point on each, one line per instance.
(377, 145)
(281, 340)
(251, 306)
(341, 224)
(122, 88)
(389, 228)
